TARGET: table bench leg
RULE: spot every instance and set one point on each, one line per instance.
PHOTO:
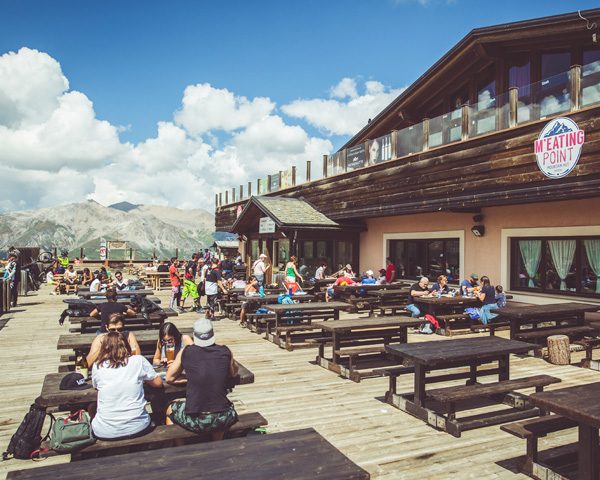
(589, 468)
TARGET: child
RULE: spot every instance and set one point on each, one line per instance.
(500, 296)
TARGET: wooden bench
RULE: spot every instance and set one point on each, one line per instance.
(589, 344)
(450, 320)
(540, 335)
(393, 373)
(449, 396)
(254, 323)
(164, 436)
(232, 308)
(531, 430)
(394, 308)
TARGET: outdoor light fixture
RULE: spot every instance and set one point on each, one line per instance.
(478, 230)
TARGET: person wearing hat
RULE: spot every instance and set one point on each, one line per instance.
(369, 279)
(259, 269)
(208, 366)
(469, 285)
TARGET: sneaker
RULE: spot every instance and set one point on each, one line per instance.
(181, 310)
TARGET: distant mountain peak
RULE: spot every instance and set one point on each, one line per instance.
(123, 206)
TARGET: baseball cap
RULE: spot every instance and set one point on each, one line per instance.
(369, 273)
(204, 335)
(474, 276)
(74, 381)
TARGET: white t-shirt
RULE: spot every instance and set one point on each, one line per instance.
(71, 274)
(95, 285)
(259, 267)
(121, 403)
(320, 273)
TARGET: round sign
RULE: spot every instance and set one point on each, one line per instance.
(558, 147)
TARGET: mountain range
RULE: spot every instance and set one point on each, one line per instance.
(146, 228)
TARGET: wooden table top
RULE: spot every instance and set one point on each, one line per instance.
(120, 293)
(545, 311)
(393, 292)
(311, 306)
(273, 298)
(578, 403)
(369, 287)
(83, 341)
(454, 301)
(293, 455)
(435, 353)
(52, 395)
(155, 273)
(366, 323)
(98, 301)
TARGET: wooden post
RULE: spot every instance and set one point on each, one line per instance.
(81, 254)
(308, 168)
(279, 175)
(394, 145)
(558, 350)
(249, 189)
(293, 176)
(241, 192)
(575, 87)
(130, 253)
(269, 183)
(258, 186)
(513, 106)
(325, 166)
(464, 121)
(425, 134)
(233, 195)
(216, 199)
(345, 159)
(177, 252)
(226, 197)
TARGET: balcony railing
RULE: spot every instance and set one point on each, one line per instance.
(566, 92)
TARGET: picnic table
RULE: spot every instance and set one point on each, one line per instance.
(473, 353)
(362, 339)
(154, 278)
(567, 319)
(272, 298)
(120, 293)
(579, 404)
(449, 311)
(294, 322)
(390, 299)
(359, 296)
(296, 455)
(52, 396)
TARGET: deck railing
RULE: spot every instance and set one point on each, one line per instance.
(577, 88)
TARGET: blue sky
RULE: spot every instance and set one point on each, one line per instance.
(104, 88)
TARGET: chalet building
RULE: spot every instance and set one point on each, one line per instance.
(488, 163)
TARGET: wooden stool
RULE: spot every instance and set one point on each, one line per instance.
(558, 350)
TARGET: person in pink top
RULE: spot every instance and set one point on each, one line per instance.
(175, 283)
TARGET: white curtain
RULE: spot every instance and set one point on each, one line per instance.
(562, 252)
(592, 249)
(531, 252)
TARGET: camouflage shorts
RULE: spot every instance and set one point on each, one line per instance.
(204, 422)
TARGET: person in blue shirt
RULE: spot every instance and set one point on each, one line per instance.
(441, 285)
(500, 296)
(370, 279)
(468, 285)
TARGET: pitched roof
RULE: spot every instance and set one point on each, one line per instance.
(227, 243)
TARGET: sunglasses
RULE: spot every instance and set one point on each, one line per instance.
(168, 342)
(115, 329)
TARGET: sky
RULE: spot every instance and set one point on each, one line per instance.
(168, 103)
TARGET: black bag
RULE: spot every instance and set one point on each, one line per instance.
(28, 437)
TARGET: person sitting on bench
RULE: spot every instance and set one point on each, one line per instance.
(249, 307)
(487, 296)
(114, 324)
(170, 342)
(417, 290)
(87, 277)
(109, 307)
(71, 277)
(342, 281)
(119, 378)
(206, 408)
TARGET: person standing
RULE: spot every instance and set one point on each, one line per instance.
(12, 275)
(189, 283)
(259, 269)
(213, 283)
(175, 284)
(291, 272)
(390, 270)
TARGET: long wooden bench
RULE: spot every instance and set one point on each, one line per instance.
(531, 431)
(451, 395)
(393, 373)
(540, 335)
(164, 436)
(254, 324)
(589, 344)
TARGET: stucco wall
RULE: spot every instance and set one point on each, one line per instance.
(483, 255)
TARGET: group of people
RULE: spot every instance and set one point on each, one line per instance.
(119, 373)
(98, 281)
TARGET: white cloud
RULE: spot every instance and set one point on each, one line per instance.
(338, 117)
(55, 150)
(205, 108)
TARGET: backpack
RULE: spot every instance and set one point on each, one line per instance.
(28, 437)
(430, 326)
(72, 432)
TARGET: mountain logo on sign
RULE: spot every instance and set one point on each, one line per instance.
(557, 129)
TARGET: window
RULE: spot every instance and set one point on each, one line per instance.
(254, 253)
(428, 257)
(519, 76)
(590, 77)
(483, 113)
(555, 86)
(312, 253)
(557, 265)
(343, 254)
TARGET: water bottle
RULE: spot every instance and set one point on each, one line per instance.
(290, 291)
(261, 291)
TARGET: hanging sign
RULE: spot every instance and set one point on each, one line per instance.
(266, 225)
(558, 147)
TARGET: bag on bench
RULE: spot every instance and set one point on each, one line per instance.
(430, 326)
(28, 437)
(72, 432)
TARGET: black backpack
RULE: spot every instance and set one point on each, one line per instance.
(28, 437)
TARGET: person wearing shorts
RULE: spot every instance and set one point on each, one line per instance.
(208, 367)
(212, 284)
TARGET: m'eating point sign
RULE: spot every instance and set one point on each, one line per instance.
(558, 147)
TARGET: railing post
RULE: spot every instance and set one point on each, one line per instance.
(308, 168)
(241, 192)
(345, 159)
(258, 186)
(249, 189)
(513, 106)
(233, 195)
(425, 134)
(216, 199)
(575, 87)
(220, 199)
(325, 166)
(269, 183)
(293, 176)
(279, 175)
(226, 197)
(464, 122)
(394, 145)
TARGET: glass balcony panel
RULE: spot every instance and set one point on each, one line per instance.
(409, 140)
(445, 129)
(590, 84)
(555, 95)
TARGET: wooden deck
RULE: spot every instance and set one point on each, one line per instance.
(291, 392)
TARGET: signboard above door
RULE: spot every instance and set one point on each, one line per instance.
(266, 225)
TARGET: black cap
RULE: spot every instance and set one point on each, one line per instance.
(74, 381)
